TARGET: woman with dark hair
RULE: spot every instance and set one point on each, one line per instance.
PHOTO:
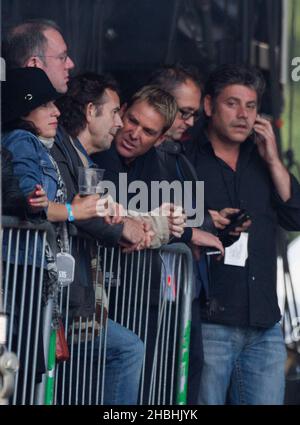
(29, 124)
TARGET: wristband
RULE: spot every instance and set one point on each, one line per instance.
(70, 212)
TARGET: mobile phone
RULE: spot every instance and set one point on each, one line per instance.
(256, 137)
(236, 220)
(266, 117)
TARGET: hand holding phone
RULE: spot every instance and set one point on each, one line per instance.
(265, 140)
(236, 220)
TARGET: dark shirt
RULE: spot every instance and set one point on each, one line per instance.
(82, 301)
(154, 165)
(68, 162)
(144, 168)
(245, 296)
(175, 165)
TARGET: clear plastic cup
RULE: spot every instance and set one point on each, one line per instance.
(89, 181)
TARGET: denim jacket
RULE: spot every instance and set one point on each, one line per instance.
(32, 165)
(31, 162)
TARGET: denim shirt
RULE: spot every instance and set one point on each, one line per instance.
(32, 165)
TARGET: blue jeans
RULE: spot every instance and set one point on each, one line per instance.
(124, 360)
(242, 365)
(123, 365)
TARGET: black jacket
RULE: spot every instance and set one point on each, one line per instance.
(68, 162)
(82, 300)
(245, 296)
(144, 168)
(175, 165)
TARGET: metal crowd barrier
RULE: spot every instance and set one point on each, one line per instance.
(29, 320)
(148, 292)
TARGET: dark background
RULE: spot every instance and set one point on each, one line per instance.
(130, 38)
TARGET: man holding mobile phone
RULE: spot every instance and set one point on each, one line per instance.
(244, 352)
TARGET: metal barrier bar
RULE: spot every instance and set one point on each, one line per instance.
(159, 314)
(23, 258)
(140, 299)
(185, 323)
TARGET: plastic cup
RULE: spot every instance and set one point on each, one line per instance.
(89, 181)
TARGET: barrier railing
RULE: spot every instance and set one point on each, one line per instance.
(147, 292)
(29, 320)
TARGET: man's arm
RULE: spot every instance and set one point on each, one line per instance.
(98, 229)
(128, 234)
(267, 148)
(281, 180)
(201, 238)
(287, 196)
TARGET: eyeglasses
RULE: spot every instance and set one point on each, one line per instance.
(62, 57)
(186, 115)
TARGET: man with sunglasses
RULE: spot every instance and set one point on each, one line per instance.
(184, 85)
